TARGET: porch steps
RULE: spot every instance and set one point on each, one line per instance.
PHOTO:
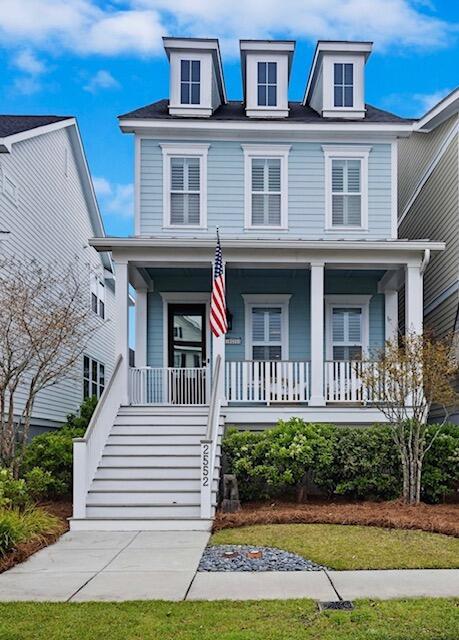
(149, 474)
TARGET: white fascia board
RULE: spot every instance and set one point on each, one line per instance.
(165, 127)
(8, 141)
(267, 45)
(240, 242)
(439, 113)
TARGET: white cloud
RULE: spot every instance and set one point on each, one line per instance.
(115, 199)
(28, 62)
(101, 80)
(428, 100)
(26, 85)
(413, 105)
(136, 26)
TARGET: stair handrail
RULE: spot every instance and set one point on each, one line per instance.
(87, 450)
(209, 444)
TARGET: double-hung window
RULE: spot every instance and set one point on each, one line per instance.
(347, 333)
(347, 326)
(184, 185)
(343, 75)
(190, 81)
(346, 192)
(267, 84)
(346, 185)
(98, 296)
(266, 333)
(93, 377)
(266, 192)
(266, 186)
(185, 191)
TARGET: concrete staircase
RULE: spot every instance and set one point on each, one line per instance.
(149, 473)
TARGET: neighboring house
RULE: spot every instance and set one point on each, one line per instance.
(305, 198)
(429, 208)
(49, 209)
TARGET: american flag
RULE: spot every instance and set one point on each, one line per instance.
(218, 322)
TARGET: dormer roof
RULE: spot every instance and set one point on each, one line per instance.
(264, 46)
(209, 45)
(333, 46)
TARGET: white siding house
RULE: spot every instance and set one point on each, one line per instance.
(49, 209)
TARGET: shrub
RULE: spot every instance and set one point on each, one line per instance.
(354, 462)
(25, 526)
(13, 493)
(269, 462)
(52, 452)
(440, 476)
(41, 484)
(365, 464)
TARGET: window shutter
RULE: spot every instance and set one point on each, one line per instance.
(274, 325)
(338, 325)
(354, 325)
(346, 179)
(185, 191)
(258, 325)
(266, 187)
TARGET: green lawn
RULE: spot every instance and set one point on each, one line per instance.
(352, 547)
(265, 620)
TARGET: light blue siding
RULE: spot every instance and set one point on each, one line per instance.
(268, 281)
(306, 201)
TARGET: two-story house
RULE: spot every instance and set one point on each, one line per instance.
(49, 209)
(304, 195)
(429, 208)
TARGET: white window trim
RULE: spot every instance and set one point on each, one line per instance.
(266, 300)
(348, 301)
(346, 153)
(268, 84)
(98, 289)
(270, 152)
(343, 62)
(170, 151)
(90, 381)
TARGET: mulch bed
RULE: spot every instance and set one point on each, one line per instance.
(442, 518)
(61, 510)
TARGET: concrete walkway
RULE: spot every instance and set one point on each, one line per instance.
(161, 565)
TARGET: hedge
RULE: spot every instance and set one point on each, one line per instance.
(359, 463)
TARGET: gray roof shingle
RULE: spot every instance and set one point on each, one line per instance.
(235, 110)
(10, 125)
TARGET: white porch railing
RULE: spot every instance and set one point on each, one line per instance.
(267, 381)
(343, 381)
(151, 385)
(87, 451)
(209, 444)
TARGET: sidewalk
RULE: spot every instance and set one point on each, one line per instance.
(161, 565)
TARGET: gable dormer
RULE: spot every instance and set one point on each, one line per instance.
(336, 84)
(196, 86)
(266, 66)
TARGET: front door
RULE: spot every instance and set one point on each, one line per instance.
(187, 353)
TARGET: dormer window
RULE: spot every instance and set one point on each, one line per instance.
(267, 84)
(190, 82)
(343, 84)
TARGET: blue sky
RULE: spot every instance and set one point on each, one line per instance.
(95, 60)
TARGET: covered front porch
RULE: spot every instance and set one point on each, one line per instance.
(303, 321)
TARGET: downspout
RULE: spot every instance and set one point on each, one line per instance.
(425, 261)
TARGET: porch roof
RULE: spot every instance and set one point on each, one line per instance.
(254, 242)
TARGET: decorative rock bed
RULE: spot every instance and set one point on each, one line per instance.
(229, 557)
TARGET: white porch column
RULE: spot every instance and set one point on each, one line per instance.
(391, 314)
(122, 324)
(317, 398)
(414, 299)
(141, 327)
(218, 348)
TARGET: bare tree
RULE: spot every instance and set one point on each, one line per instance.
(45, 325)
(409, 376)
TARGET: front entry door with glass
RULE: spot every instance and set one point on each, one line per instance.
(187, 353)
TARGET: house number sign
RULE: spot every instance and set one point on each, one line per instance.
(205, 464)
(233, 340)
